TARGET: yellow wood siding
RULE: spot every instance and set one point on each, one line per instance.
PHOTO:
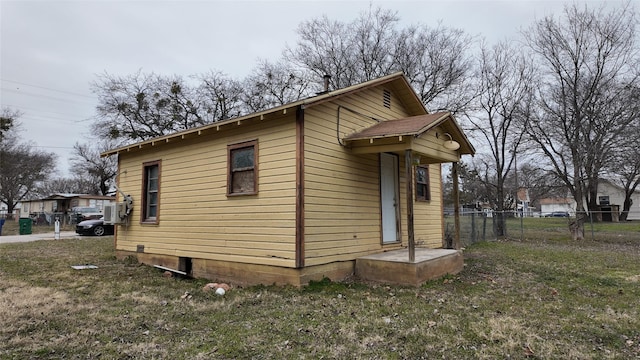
(427, 215)
(342, 189)
(197, 219)
(342, 218)
(432, 146)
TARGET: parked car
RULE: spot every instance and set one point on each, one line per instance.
(558, 214)
(81, 213)
(95, 227)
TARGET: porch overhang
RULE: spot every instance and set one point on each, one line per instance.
(424, 135)
(424, 139)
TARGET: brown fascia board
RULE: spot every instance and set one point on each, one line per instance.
(312, 101)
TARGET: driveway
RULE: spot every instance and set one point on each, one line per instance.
(35, 237)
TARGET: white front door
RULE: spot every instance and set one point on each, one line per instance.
(389, 195)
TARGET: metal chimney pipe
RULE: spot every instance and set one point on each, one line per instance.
(327, 77)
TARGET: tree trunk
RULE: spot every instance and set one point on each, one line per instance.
(499, 222)
(626, 206)
(592, 204)
(10, 208)
(501, 219)
(576, 226)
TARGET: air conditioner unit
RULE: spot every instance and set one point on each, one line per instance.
(114, 213)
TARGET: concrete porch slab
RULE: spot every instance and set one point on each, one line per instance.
(393, 267)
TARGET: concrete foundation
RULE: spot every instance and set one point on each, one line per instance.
(393, 267)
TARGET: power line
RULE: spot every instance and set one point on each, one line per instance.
(52, 147)
(48, 112)
(50, 89)
(21, 92)
(37, 118)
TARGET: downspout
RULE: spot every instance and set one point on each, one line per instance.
(300, 187)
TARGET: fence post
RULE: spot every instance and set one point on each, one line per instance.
(522, 224)
(484, 228)
(473, 227)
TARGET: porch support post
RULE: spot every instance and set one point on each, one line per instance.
(456, 206)
(408, 164)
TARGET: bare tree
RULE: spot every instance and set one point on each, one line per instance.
(220, 96)
(73, 185)
(589, 58)
(142, 106)
(475, 182)
(435, 60)
(373, 37)
(539, 182)
(323, 49)
(438, 64)
(505, 87)
(22, 169)
(274, 84)
(8, 121)
(88, 165)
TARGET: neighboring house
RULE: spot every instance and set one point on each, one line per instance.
(4, 211)
(293, 193)
(523, 205)
(62, 204)
(611, 198)
(550, 205)
(610, 201)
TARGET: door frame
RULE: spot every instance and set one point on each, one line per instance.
(389, 179)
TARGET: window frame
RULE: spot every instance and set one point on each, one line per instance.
(230, 170)
(426, 184)
(144, 207)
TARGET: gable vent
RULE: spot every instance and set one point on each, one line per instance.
(386, 98)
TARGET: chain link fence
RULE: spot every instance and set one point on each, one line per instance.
(476, 226)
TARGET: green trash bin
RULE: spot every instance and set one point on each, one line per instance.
(25, 226)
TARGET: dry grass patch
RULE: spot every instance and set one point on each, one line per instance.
(519, 300)
(29, 313)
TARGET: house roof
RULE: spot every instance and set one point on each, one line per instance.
(616, 185)
(397, 81)
(414, 126)
(60, 196)
(549, 201)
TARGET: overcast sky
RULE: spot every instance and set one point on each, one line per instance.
(52, 50)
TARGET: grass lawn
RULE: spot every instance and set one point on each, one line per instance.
(537, 299)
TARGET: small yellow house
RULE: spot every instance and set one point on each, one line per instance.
(293, 193)
(61, 204)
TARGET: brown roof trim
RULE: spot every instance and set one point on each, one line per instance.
(549, 201)
(74, 196)
(398, 76)
(414, 126)
(312, 101)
